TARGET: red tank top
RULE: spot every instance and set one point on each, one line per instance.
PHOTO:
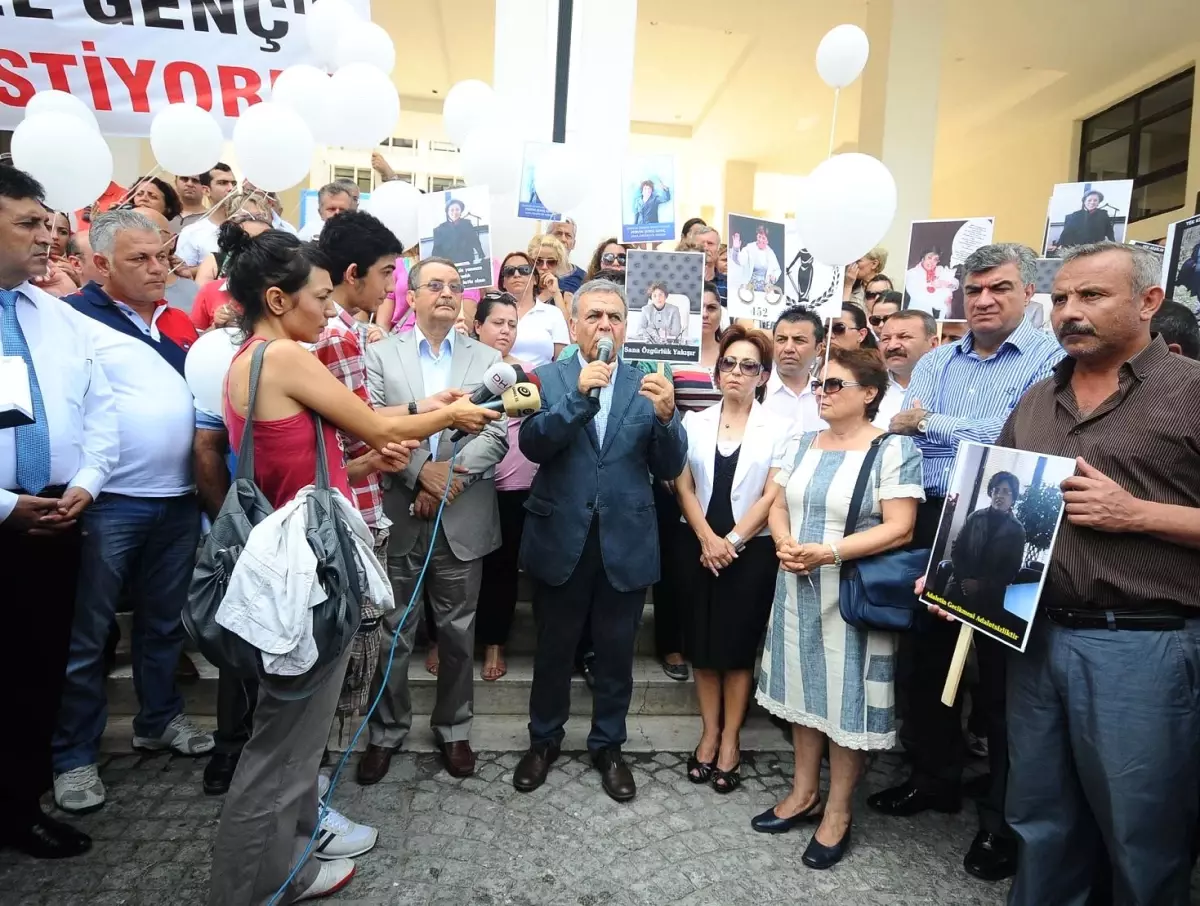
(285, 451)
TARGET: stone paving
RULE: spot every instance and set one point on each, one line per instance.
(479, 842)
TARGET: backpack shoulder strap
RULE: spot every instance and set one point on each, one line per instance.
(245, 459)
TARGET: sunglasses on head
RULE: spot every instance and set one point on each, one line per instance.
(832, 385)
(610, 258)
(748, 367)
(523, 269)
(878, 320)
(499, 296)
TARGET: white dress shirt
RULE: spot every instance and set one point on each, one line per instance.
(197, 242)
(799, 408)
(84, 441)
(435, 370)
(890, 406)
(311, 231)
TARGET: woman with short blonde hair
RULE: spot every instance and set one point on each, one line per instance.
(550, 261)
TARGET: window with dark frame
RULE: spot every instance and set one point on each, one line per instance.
(1144, 138)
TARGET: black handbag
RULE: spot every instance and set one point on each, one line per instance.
(877, 592)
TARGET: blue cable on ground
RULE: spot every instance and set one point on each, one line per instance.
(333, 780)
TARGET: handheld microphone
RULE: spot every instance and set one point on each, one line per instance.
(517, 401)
(604, 353)
(496, 380)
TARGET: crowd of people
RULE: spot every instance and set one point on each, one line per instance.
(728, 487)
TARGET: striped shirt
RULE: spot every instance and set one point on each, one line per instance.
(694, 389)
(969, 398)
(1143, 438)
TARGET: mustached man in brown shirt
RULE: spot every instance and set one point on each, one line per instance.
(1104, 705)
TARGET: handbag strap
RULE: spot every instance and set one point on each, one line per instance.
(322, 462)
(860, 486)
(245, 458)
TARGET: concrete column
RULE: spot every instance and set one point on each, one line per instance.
(739, 190)
(898, 114)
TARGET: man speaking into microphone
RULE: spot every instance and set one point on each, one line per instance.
(401, 370)
(590, 539)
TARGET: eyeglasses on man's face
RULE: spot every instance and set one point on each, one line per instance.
(748, 367)
(436, 287)
(832, 385)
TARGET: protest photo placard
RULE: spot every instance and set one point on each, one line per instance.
(1083, 212)
(807, 282)
(936, 252)
(647, 198)
(455, 224)
(996, 538)
(755, 275)
(529, 206)
(665, 294)
(1181, 262)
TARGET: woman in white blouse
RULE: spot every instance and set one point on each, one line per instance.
(541, 328)
(728, 559)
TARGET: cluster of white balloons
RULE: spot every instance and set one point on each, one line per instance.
(59, 144)
(848, 202)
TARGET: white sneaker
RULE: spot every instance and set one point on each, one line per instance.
(322, 786)
(182, 737)
(341, 838)
(332, 877)
(79, 790)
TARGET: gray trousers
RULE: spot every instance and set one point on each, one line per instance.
(270, 810)
(452, 587)
(1104, 750)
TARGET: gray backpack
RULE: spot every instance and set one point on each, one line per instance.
(334, 621)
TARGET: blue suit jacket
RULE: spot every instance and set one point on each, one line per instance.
(578, 478)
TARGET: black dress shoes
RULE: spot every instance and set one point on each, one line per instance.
(770, 823)
(615, 776)
(819, 856)
(991, 857)
(218, 773)
(906, 800)
(44, 837)
(534, 765)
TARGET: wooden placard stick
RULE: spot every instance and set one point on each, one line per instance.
(954, 675)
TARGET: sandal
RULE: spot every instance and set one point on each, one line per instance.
(699, 771)
(432, 661)
(727, 781)
(494, 665)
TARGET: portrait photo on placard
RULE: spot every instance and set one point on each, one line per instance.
(1181, 263)
(1084, 212)
(455, 224)
(529, 206)
(996, 538)
(806, 281)
(936, 252)
(755, 271)
(648, 198)
(1037, 310)
(665, 295)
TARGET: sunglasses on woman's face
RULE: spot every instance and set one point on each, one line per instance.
(870, 295)
(832, 385)
(611, 258)
(748, 367)
(523, 269)
(878, 320)
(837, 328)
(546, 262)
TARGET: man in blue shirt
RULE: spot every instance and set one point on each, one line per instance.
(564, 231)
(964, 391)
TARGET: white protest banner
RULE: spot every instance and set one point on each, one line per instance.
(127, 59)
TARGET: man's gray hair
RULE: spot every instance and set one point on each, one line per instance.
(700, 229)
(998, 254)
(106, 226)
(597, 286)
(414, 275)
(335, 188)
(1147, 267)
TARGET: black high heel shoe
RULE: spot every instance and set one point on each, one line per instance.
(699, 771)
(727, 781)
(770, 823)
(819, 856)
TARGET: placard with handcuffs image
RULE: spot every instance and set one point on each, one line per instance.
(756, 273)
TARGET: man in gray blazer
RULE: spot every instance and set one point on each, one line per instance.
(400, 371)
(590, 539)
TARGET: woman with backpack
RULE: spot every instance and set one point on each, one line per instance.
(271, 811)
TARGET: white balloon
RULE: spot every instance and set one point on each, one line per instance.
(274, 147)
(324, 23)
(848, 206)
(308, 91)
(66, 155)
(365, 42)
(842, 54)
(54, 101)
(561, 177)
(468, 106)
(493, 157)
(396, 203)
(206, 365)
(186, 139)
(367, 106)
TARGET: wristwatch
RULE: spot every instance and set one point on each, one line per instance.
(923, 425)
(412, 408)
(736, 540)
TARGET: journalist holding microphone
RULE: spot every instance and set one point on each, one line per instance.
(402, 369)
(591, 539)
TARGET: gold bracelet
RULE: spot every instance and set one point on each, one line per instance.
(837, 558)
